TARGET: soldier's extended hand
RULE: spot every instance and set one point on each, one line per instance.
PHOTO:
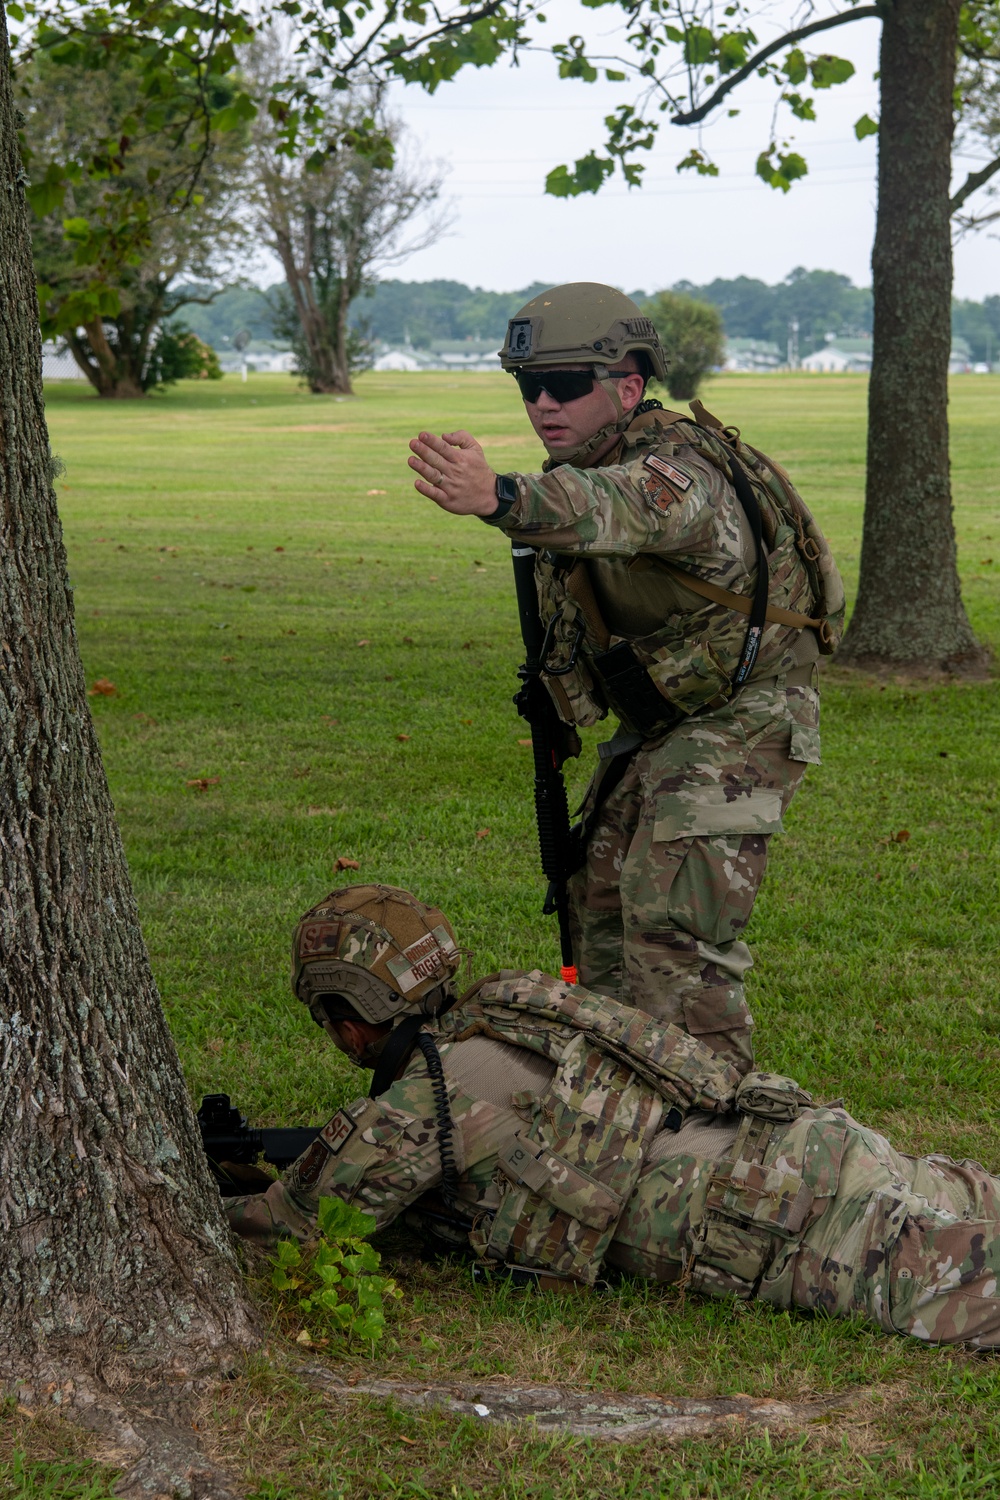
(454, 473)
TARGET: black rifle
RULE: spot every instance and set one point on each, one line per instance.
(227, 1137)
(552, 743)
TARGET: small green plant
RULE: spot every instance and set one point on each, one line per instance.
(332, 1281)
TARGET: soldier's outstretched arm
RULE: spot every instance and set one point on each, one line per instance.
(379, 1154)
(681, 507)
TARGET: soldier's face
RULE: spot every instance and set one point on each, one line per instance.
(564, 426)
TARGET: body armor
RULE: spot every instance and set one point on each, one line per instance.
(683, 637)
(620, 1076)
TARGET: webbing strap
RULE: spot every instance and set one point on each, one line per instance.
(758, 610)
(581, 591)
(742, 603)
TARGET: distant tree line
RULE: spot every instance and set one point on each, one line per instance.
(426, 312)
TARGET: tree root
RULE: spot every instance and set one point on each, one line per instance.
(610, 1415)
(147, 1430)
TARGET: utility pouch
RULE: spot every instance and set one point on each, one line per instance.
(781, 1177)
(771, 1096)
(632, 693)
(566, 1178)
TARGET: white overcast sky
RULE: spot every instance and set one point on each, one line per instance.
(499, 130)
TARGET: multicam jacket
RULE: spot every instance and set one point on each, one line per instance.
(546, 1169)
(794, 1204)
(626, 548)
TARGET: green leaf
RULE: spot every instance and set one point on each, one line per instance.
(795, 67)
(589, 173)
(801, 108)
(613, 75)
(699, 45)
(782, 173)
(15, 11)
(696, 161)
(338, 1219)
(865, 126)
(827, 70)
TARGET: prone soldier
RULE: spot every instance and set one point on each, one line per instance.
(686, 589)
(563, 1133)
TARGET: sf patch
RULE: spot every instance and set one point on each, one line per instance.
(664, 483)
(337, 1132)
(668, 471)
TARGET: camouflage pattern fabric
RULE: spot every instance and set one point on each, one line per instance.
(844, 1223)
(663, 495)
(676, 858)
(508, 1007)
(911, 1244)
(678, 852)
(570, 1170)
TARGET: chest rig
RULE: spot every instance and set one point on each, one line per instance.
(619, 1077)
(705, 642)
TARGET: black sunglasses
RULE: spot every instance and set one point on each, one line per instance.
(561, 385)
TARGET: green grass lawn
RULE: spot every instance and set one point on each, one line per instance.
(312, 663)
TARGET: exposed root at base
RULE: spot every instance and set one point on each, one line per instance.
(611, 1415)
(147, 1430)
(967, 666)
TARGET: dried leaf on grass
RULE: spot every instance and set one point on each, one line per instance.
(102, 688)
(202, 783)
(343, 862)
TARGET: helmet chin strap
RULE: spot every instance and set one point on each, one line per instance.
(609, 388)
(578, 456)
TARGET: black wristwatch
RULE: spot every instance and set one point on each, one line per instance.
(506, 493)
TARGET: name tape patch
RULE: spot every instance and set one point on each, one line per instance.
(668, 471)
(427, 958)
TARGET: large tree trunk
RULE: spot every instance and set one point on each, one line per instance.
(909, 610)
(107, 372)
(116, 1258)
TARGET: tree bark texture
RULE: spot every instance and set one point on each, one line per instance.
(909, 611)
(115, 1254)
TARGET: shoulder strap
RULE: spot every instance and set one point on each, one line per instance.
(742, 603)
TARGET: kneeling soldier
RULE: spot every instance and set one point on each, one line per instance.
(559, 1131)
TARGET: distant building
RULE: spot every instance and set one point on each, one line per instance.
(262, 356)
(479, 355)
(752, 354)
(854, 357)
(840, 356)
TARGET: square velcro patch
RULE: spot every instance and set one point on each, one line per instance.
(669, 472)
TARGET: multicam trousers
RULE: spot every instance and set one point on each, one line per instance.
(677, 855)
(910, 1243)
(832, 1219)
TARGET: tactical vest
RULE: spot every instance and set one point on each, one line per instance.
(566, 1177)
(679, 654)
(783, 1173)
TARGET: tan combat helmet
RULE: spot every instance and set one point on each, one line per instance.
(373, 951)
(582, 322)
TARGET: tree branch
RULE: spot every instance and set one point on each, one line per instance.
(972, 182)
(863, 12)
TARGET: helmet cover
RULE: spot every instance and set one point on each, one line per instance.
(377, 950)
(581, 322)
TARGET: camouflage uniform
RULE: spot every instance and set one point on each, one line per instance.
(794, 1204)
(677, 853)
